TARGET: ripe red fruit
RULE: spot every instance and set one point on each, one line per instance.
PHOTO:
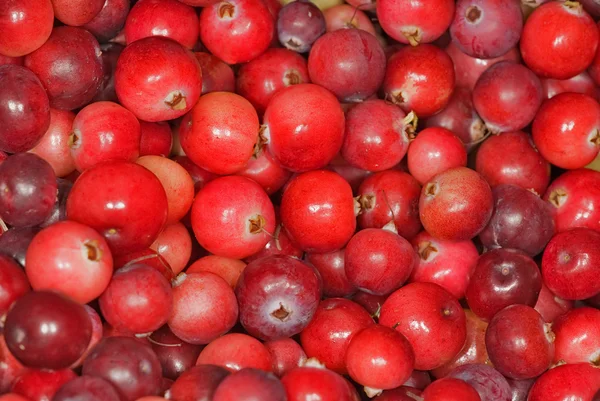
(41, 385)
(158, 79)
(348, 62)
(577, 336)
(156, 139)
(379, 358)
(70, 258)
(123, 201)
(197, 383)
(330, 331)
(571, 381)
(270, 310)
(236, 31)
(226, 268)
(217, 76)
(236, 351)
(304, 127)
(437, 206)
(446, 263)
(67, 53)
(250, 384)
(109, 21)
(419, 79)
(551, 306)
(168, 18)
(574, 196)
(175, 355)
(430, 318)
(511, 158)
(220, 132)
(333, 274)
(566, 130)
(76, 12)
(299, 25)
(450, 389)
(204, 307)
(377, 135)
(570, 264)
(559, 40)
(415, 22)
(318, 211)
(305, 382)
(263, 169)
(259, 79)
(233, 216)
(174, 244)
(84, 387)
(13, 283)
(54, 145)
(344, 16)
(582, 83)
(286, 354)
(23, 34)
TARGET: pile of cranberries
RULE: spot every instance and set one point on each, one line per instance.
(275, 200)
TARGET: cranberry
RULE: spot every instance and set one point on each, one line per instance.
(390, 196)
(419, 79)
(569, 264)
(402, 393)
(415, 22)
(236, 31)
(305, 382)
(331, 267)
(226, 268)
(10, 368)
(165, 88)
(87, 388)
(197, 383)
(174, 244)
(348, 16)
(13, 283)
(28, 190)
(353, 175)
(486, 28)
(304, 127)
(329, 333)
(67, 53)
(41, 385)
(168, 18)
(109, 21)
(446, 263)
(236, 351)
(486, 380)
(250, 384)
(156, 139)
(97, 333)
(263, 169)
(450, 389)
(566, 130)
(77, 12)
(149, 257)
(199, 175)
(270, 310)
(286, 354)
(577, 334)
(574, 195)
(123, 201)
(377, 135)
(132, 367)
(25, 26)
(559, 40)
(579, 381)
(24, 109)
(54, 145)
(379, 358)
(551, 306)
(237, 225)
(29, 340)
(521, 220)
(175, 355)
(503, 277)
(318, 211)
(110, 56)
(15, 242)
(511, 158)
(581, 83)
(430, 318)
(437, 205)
(299, 25)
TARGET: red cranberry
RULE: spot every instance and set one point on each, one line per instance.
(304, 127)
(10, 368)
(54, 145)
(217, 76)
(581, 83)
(158, 79)
(578, 381)
(76, 12)
(13, 283)
(566, 130)
(419, 79)
(97, 333)
(511, 158)
(33, 344)
(377, 135)
(329, 333)
(204, 307)
(236, 31)
(415, 22)
(175, 355)
(569, 264)
(318, 211)
(269, 310)
(390, 196)
(25, 122)
(70, 258)
(450, 389)
(437, 205)
(559, 40)
(263, 169)
(355, 176)
(28, 190)
(123, 201)
(235, 351)
(402, 393)
(156, 139)
(250, 384)
(286, 354)
(551, 306)
(333, 274)
(109, 21)
(574, 195)
(67, 53)
(446, 263)
(430, 318)
(110, 56)
(197, 383)
(199, 175)
(349, 16)
(149, 257)
(132, 367)
(236, 225)
(15, 242)
(486, 28)
(275, 69)
(486, 380)
(521, 220)
(299, 25)
(226, 268)
(174, 244)
(41, 385)
(304, 383)
(25, 26)
(87, 388)
(168, 18)
(577, 335)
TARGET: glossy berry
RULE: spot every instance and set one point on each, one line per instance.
(227, 268)
(487, 381)
(197, 383)
(348, 16)
(40, 385)
(109, 21)
(577, 336)
(250, 384)
(13, 283)
(551, 306)
(299, 25)
(217, 76)
(333, 273)
(450, 389)
(305, 382)
(575, 381)
(78, 12)
(87, 388)
(236, 351)
(175, 355)
(54, 145)
(286, 354)
(582, 83)
(27, 32)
